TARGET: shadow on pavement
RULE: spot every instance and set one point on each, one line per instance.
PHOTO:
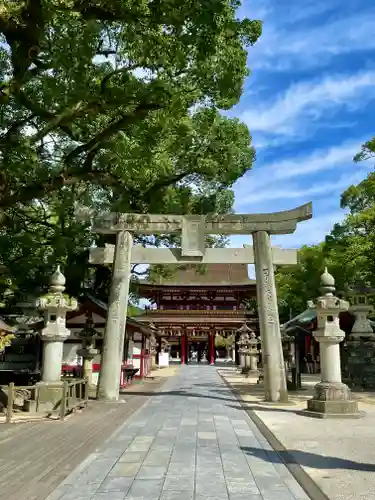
(307, 459)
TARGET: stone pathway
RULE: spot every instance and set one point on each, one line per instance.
(35, 457)
(188, 442)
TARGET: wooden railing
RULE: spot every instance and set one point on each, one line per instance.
(74, 394)
(11, 397)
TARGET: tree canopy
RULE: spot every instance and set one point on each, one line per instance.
(348, 252)
(114, 105)
(92, 90)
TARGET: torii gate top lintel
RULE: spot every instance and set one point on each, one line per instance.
(274, 223)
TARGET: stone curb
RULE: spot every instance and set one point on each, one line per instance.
(299, 474)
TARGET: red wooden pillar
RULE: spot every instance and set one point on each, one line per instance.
(183, 348)
(211, 348)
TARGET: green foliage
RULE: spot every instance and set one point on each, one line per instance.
(224, 342)
(100, 93)
(348, 252)
(367, 151)
(114, 105)
(5, 340)
(134, 310)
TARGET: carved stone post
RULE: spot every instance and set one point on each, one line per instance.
(56, 305)
(272, 354)
(113, 340)
(332, 398)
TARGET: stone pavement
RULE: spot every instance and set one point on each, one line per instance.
(337, 454)
(188, 442)
(35, 457)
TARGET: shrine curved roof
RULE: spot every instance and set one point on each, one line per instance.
(206, 275)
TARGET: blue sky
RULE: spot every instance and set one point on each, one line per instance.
(309, 104)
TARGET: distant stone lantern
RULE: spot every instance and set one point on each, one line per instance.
(88, 351)
(359, 297)
(253, 352)
(153, 345)
(55, 305)
(244, 345)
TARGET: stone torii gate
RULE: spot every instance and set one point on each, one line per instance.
(193, 229)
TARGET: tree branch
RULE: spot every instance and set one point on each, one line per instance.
(162, 183)
(23, 31)
(138, 273)
(44, 114)
(76, 173)
(115, 126)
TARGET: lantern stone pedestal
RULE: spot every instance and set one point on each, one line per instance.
(332, 398)
(55, 304)
(88, 353)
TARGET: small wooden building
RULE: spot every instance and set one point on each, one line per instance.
(137, 348)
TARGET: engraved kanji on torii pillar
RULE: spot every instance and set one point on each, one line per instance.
(193, 229)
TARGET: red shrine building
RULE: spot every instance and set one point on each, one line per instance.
(191, 308)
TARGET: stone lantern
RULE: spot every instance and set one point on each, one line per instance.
(359, 352)
(153, 345)
(331, 397)
(55, 305)
(243, 344)
(88, 352)
(165, 347)
(360, 308)
(253, 352)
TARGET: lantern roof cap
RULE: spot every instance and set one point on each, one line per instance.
(327, 283)
(57, 281)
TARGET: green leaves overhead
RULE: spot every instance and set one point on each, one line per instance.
(115, 105)
(76, 74)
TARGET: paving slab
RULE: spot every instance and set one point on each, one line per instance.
(188, 442)
(337, 455)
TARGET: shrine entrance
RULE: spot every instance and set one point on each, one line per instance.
(198, 351)
(191, 309)
(193, 229)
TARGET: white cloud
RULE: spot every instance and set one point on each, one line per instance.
(306, 102)
(290, 192)
(265, 181)
(285, 43)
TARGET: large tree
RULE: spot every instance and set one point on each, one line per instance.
(114, 105)
(85, 81)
